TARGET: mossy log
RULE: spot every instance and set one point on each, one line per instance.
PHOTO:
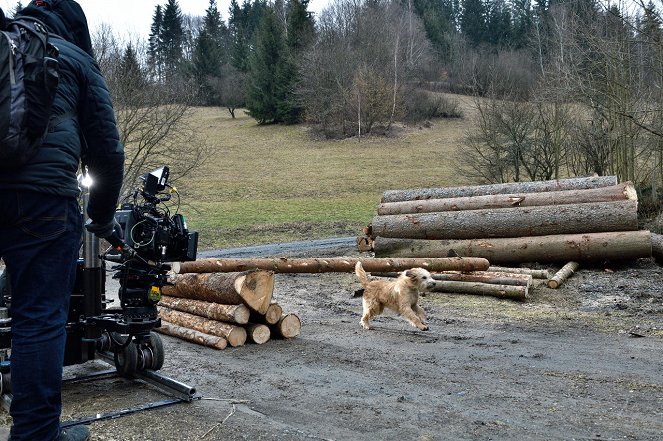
(191, 335)
(235, 335)
(238, 314)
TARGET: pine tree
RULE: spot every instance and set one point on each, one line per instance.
(439, 20)
(263, 98)
(171, 38)
(131, 75)
(208, 56)
(473, 21)
(154, 46)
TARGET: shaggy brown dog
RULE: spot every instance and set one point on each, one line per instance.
(400, 295)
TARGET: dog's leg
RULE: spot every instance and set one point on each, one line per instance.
(409, 315)
(420, 313)
(371, 309)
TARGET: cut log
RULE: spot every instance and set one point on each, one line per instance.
(544, 249)
(288, 326)
(235, 335)
(511, 222)
(272, 316)
(492, 278)
(482, 289)
(238, 314)
(252, 288)
(564, 273)
(657, 247)
(511, 187)
(535, 273)
(333, 264)
(191, 335)
(257, 333)
(602, 194)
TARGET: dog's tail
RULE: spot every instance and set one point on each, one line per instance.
(361, 274)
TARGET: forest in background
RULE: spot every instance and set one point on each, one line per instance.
(563, 87)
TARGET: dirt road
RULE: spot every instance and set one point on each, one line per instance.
(582, 362)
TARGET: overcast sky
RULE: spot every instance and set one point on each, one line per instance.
(131, 17)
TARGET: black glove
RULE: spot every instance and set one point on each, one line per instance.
(104, 231)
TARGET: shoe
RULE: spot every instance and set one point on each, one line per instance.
(75, 433)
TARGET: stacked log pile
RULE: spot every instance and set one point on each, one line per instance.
(220, 309)
(577, 219)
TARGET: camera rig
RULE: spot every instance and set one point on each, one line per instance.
(140, 257)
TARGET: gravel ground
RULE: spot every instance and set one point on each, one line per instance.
(580, 362)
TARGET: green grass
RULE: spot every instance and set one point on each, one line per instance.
(263, 184)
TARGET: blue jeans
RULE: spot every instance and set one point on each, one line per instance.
(39, 242)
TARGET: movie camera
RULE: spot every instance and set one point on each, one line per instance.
(149, 237)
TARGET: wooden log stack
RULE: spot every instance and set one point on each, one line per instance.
(221, 309)
(576, 219)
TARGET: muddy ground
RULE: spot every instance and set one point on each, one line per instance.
(584, 362)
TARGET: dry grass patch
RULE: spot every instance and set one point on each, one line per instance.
(275, 179)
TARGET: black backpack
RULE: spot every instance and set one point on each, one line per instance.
(28, 80)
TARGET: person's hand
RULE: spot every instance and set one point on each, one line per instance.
(104, 231)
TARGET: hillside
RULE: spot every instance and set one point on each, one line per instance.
(276, 183)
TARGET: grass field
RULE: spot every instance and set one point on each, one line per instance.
(264, 184)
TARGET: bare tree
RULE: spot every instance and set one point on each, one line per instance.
(153, 119)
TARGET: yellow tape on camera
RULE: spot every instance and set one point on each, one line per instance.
(155, 294)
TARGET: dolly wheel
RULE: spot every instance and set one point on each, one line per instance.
(126, 359)
(158, 355)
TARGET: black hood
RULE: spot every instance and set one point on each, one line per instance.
(63, 17)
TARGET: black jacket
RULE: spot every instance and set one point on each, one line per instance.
(82, 94)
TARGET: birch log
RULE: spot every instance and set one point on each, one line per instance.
(510, 222)
(552, 248)
(564, 273)
(235, 335)
(333, 264)
(618, 192)
(482, 289)
(257, 333)
(252, 288)
(238, 314)
(191, 335)
(511, 187)
(288, 326)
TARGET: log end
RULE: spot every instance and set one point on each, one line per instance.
(273, 314)
(258, 333)
(289, 326)
(237, 336)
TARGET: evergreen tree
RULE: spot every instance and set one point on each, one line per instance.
(263, 94)
(208, 56)
(171, 38)
(473, 21)
(243, 24)
(154, 46)
(131, 76)
(439, 20)
(498, 24)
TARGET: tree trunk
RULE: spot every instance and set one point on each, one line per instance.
(333, 264)
(564, 273)
(288, 326)
(477, 276)
(238, 314)
(657, 247)
(511, 187)
(510, 222)
(235, 335)
(193, 336)
(602, 194)
(270, 317)
(252, 288)
(257, 333)
(555, 248)
(482, 289)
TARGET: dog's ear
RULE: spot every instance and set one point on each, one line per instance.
(411, 274)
